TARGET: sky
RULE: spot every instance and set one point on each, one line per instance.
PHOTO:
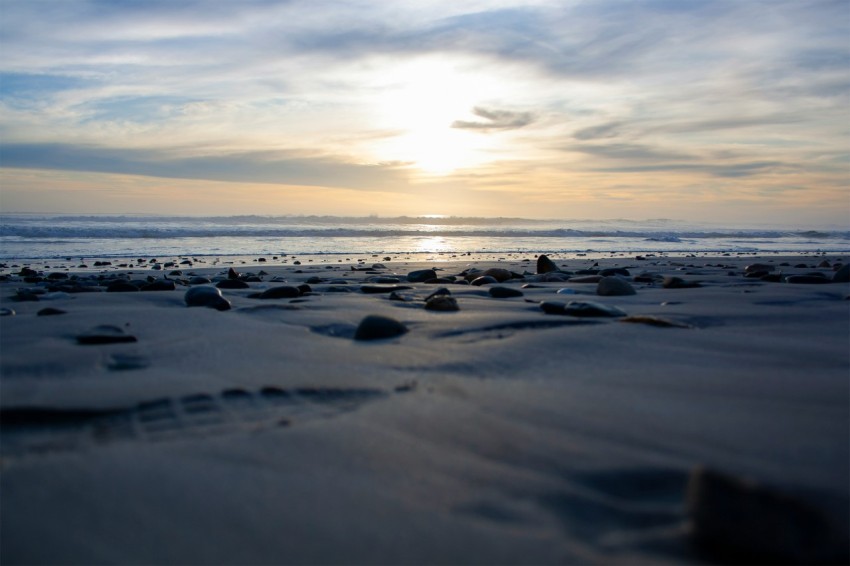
(727, 111)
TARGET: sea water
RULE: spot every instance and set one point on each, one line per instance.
(41, 236)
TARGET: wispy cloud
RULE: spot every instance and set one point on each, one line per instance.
(495, 120)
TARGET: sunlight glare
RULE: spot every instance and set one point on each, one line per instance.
(425, 97)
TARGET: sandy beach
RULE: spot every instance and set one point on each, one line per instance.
(377, 410)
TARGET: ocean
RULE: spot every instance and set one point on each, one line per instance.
(49, 236)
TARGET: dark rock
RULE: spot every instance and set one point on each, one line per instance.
(484, 280)
(615, 271)
(387, 280)
(842, 275)
(740, 521)
(613, 286)
(586, 279)
(232, 274)
(678, 283)
(105, 334)
(25, 296)
(376, 327)
(199, 280)
(807, 279)
(442, 303)
(7, 312)
(304, 289)
(421, 275)
(443, 281)
(654, 321)
(57, 275)
(759, 267)
(121, 287)
(232, 284)
(377, 289)
(281, 292)
(581, 308)
(159, 285)
(499, 274)
(504, 292)
(545, 265)
(27, 272)
(50, 311)
(437, 293)
(824, 264)
(206, 296)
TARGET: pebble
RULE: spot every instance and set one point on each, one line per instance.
(654, 321)
(49, 311)
(566, 291)
(484, 280)
(504, 292)
(807, 279)
(499, 274)
(759, 267)
(7, 312)
(121, 287)
(198, 280)
(159, 285)
(735, 520)
(678, 283)
(205, 296)
(280, 292)
(105, 334)
(615, 271)
(842, 275)
(613, 286)
(438, 292)
(376, 327)
(232, 284)
(422, 275)
(378, 288)
(442, 303)
(545, 265)
(581, 308)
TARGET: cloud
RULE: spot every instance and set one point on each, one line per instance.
(608, 130)
(278, 167)
(496, 120)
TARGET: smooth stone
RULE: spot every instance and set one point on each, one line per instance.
(206, 296)
(304, 289)
(386, 280)
(105, 334)
(735, 520)
(678, 283)
(378, 288)
(499, 274)
(807, 279)
(199, 280)
(757, 267)
(442, 303)
(613, 286)
(159, 285)
(586, 279)
(57, 275)
(376, 327)
(484, 280)
(121, 287)
(50, 311)
(504, 292)
(842, 275)
(545, 265)
(281, 292)
(566, 291)
(437, 293)
(232, 284)
(654, 321)
(581, 309)
(615, 271)
(421, 275)
(7, 312)
(232, 274)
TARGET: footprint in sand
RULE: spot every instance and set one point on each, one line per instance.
(45, 429)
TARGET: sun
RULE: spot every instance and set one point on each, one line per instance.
(420, 103)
